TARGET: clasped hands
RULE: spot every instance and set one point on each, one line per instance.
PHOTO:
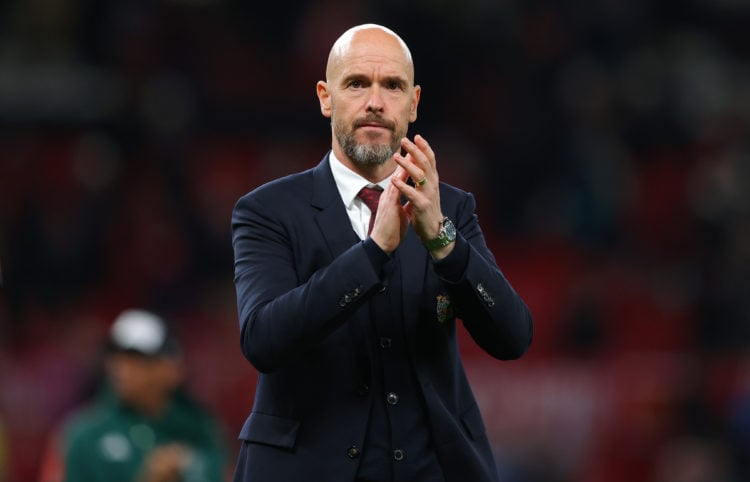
(422, 208)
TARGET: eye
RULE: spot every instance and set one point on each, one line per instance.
(393, 85)
(355, 84)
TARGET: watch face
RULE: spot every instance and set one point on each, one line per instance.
(450, 229)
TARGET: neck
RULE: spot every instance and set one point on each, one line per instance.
(153, 407)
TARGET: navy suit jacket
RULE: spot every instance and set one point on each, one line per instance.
(303, 280)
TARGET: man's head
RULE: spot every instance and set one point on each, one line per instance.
(369, 94)
(144, 363)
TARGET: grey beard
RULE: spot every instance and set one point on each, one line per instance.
(364, 154)
(368, 155)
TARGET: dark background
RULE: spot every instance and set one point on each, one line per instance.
(606, 143)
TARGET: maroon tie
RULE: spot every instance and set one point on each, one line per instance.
(371, 196)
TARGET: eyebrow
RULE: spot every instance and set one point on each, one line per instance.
(401, 81)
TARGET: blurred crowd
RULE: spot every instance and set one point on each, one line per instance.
(607, 143)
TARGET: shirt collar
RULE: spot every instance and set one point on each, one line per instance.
(349, 182)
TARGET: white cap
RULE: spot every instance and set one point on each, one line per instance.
(140, 331)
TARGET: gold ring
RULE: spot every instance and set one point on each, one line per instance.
(422, 181)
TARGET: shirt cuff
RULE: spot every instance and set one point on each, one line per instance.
(452, 268)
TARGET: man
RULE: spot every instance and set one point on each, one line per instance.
(144, 427)
(354, 334)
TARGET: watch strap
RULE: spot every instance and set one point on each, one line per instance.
(443, 239)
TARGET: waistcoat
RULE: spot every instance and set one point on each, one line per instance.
(398, 443)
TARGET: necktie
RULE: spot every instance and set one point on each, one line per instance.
(371, 196)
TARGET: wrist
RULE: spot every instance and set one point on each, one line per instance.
(385, 246)
(446, 236)
(443, 252)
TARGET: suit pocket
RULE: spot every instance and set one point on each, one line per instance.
(270, 430)
(472, 421)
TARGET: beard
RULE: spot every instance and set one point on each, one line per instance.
(367, 154)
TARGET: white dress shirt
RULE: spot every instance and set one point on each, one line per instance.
(349, 183)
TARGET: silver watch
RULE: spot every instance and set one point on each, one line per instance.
(446, 236)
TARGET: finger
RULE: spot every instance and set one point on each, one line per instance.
(422, 143)
(401, 173)
(391, 194)
(409, 192)
(412, 169)
(418, 155)
(415, 154)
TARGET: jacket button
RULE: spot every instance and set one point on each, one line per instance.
(485, 296)
(392, 398)
(385, 342)
(398, 455)
(353, 452)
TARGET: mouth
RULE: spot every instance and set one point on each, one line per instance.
(373, 124)
(373, 129)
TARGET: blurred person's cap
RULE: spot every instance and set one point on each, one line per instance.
(142, 332)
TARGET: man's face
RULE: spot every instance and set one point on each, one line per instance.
(138, 380)
(371, 97)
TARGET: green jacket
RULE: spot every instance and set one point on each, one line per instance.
(109, 442)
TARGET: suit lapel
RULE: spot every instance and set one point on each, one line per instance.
(335, 227)
(332, 219)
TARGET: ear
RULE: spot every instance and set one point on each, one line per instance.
(414, 103)
(324, 97)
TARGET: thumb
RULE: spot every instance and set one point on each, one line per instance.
(408, 210)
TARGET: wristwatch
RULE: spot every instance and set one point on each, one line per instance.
(446, 236)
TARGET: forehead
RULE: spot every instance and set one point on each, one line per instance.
(371, 50)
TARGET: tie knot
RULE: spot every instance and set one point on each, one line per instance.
(371, 196)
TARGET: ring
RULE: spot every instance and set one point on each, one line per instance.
(422, 181)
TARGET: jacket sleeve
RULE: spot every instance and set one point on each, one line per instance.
(282, 316)
(494, 314)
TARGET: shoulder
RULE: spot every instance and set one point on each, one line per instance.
(452, 191)
(290, 185)
(77, 441)
(283, 190)
(187, 406)
(454, 198)
(277, 201)
(86, 422)
(193, 422)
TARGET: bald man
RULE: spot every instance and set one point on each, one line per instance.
(350, 277)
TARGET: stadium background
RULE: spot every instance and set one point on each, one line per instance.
(606, 142)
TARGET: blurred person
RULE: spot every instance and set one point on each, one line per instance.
(348, 304)
(144, 426)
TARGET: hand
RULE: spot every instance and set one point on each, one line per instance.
(165, 463)
(423, 206)
(391, 221)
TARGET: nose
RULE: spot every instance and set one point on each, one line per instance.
(375, 101)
